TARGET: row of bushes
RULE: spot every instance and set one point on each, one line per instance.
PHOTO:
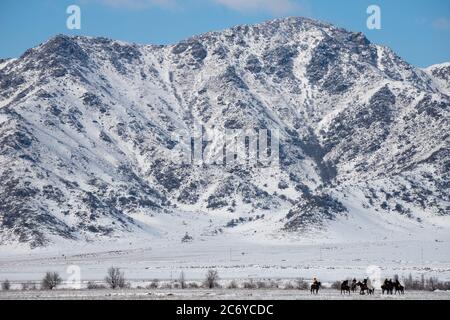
(427, 284)
(250, 284)
(211, 282)
(49, 282)
(115, 279)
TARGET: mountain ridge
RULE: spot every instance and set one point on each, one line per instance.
(86, 132)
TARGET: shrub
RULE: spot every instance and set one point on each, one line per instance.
(289, 286)
(193, 285)
(153, 284)
(336, 285)
(302, 284)
(50, 281)
(115, 278)
(6, 285)
(187, 238)
(261, 285)
(249, 285)
(27, 286)
(274, 284)
(232, 285)
(212, 276)
(91, 285)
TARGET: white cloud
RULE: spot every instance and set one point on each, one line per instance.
(139, 4)
(271, 6)
(275, 7)
(442, 24)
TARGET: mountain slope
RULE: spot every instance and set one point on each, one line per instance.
(441, 75)
(87, 131)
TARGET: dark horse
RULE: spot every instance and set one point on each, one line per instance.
(399, 288)
(387, 286)
(364, 287)
(345, 288)
(354, 286)
(315, 287)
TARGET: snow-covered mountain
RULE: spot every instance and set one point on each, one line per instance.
(87, 126)
(441, 75)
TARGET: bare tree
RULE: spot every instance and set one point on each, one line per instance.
(211, 278)
(6, 285)
(115, 279)
(51, 281)
(182, 280)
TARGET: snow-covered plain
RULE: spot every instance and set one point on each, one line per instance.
(346, 248)
(216, 294)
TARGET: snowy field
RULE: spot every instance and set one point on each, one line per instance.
(216, 294)
(236, 260)
(348, 249)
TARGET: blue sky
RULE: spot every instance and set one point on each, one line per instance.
(418, 30)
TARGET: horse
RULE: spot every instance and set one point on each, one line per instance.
(387, 286)
(315, 287)
(399, 288)
(364, 287)
(354, 286)
(345, 287)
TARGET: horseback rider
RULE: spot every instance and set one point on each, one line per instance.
(354, 284)
(315, 281)
(315, 286)
(387, 286)
(398, 287)
(345, 287)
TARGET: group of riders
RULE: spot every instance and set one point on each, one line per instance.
(365, 287)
